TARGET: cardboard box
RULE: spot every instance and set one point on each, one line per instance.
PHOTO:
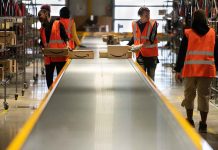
(129, 54)
(104, 54)
(2, 75)
(8, 37)
(6, 25)
(111, 39)
(2, 45)
(55, 52)
(81, 54)
(118, 51)
(7, 64)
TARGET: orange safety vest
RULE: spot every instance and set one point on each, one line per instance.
(47, 60)
(56, 41)
(68, 24)
(199, 60)
(143, 38)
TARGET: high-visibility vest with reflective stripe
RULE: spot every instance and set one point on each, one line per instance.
(199, 60)
(147, 50)
(68, 24)
(56, 41)
(47, 60)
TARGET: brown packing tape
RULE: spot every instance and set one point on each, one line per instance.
(55, 52)
(81, 54)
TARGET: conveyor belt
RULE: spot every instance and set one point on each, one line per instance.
(108, 104)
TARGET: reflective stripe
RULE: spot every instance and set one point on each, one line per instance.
(149, 29)
(56, 41)
(196, 62)
(136, 39)
(134, 31)
(207, 53)
(69, 30)
(150, 46)
(144, 37)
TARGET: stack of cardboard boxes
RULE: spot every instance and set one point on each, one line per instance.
(8, 38)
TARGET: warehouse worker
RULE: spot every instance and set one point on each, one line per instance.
(145, 33)
(53, 35)
(198, 59)
(70, 27)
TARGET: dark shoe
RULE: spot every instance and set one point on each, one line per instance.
(191, 122)
(202, 127)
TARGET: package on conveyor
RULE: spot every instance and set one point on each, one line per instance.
(55, 52)
(104, 54)
(118, 51)
(8, 38)
(111, 39)
(81, 54)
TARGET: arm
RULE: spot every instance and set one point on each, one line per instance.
(181, 55)
(153, 33)
(63, 33)
(131, 42)
(75, 37)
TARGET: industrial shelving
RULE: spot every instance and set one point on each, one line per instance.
(24, 50)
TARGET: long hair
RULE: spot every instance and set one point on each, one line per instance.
(199, 20)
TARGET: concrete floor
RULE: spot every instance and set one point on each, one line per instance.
(19, 111)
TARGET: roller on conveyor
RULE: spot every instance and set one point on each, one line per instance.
(106, 104)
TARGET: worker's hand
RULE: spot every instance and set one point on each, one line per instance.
(46, 45)
(178, 77)
(129, 47)
(136, 48)
(68, 46)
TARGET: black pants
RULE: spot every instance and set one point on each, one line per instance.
(49, 69)
(148, 64)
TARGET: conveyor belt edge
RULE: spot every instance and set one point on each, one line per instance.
(24, 132)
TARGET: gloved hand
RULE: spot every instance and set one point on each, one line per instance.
(135, 48)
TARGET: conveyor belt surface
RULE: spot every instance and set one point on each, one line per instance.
(105, 104)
